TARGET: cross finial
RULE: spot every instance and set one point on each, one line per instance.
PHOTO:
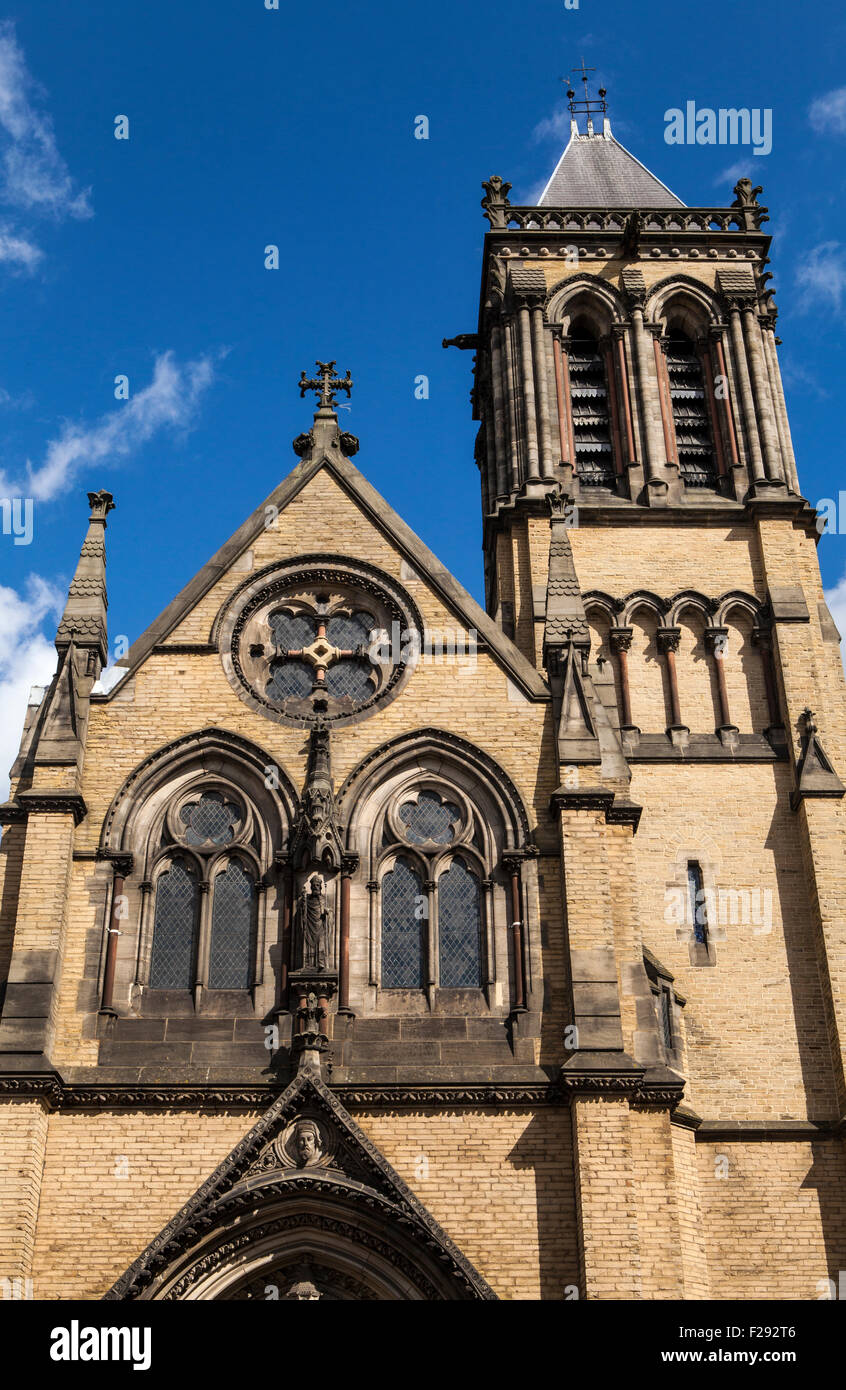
(584, 72)
(589, 104)
(325, 384)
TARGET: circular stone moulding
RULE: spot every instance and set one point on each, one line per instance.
(356, 631)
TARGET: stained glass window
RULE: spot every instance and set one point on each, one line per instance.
(459, 928)
(209, 820)
(428, 819)
(403, 928)
(174, 931)
(289, 678)
(697, 902)
(231, 947)
(350, 676)
(349, 632)
(292, 631)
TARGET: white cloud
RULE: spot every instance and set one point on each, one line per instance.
(828, 113)
(836, 600)
(18, 250)
(823, 276)
(27, 658)
(170, 401)
(35, 177)
(743, 169)
(556, 126)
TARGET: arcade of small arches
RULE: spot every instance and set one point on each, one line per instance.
(601, 389)
(687, 664)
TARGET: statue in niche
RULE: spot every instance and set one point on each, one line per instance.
(313, 922)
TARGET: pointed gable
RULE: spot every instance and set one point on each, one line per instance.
(325, 465)
(596, 171)
(305, 1186)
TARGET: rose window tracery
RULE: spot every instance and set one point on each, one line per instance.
(318, 641)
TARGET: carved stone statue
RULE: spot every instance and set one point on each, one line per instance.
(307, 1143)
(313, 923)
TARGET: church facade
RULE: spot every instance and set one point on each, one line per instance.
(359, 943)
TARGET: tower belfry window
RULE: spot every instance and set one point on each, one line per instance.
(694, 445)
(590, 411)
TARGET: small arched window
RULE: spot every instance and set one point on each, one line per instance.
(403, 928)
(694, 443)
(459, 928)
(589, 405)
(175, 930)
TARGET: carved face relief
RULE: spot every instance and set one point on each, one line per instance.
(303, 1292)
(307, 1143)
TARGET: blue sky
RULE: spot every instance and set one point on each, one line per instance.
(295, 126)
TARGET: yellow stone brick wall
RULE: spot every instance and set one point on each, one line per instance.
(775, 1214)
(464, 1166)
(754, 1022)
(23, 1134)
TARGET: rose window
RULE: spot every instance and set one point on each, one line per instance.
(315, 653)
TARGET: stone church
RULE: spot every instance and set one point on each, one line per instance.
(362, 944)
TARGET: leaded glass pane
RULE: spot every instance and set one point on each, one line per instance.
(292, 631)
(172, 964)
(231, 946)
(403, 928)
(459, 928)
(350, 632)
(351, 676)
(209, 820)
(428, 819)
(289, 678)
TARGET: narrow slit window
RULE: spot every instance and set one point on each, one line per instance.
(696, 896)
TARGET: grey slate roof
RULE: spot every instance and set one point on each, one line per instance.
(595, 171)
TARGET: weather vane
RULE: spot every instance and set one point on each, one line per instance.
(325, 384)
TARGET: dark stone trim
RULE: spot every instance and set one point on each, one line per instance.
(12, 813)
(618, 810)
(186, 648)
(59, 802)
(758, 1131)
(705, 748)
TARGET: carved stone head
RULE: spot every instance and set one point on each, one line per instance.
(308, 1145)
(303, 1292)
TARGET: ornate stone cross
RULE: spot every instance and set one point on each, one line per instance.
(325, 384)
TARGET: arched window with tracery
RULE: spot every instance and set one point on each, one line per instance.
(206, 881)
